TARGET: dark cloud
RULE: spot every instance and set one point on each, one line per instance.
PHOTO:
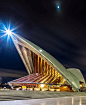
(12, 73)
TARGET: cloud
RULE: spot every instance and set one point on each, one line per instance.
(12, 73)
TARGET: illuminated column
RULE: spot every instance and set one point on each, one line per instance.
(51, 71)
(47, 69)
(32, 60)
(21, 55)
(54, 72)
(44, 67)
(25, 54)
(30, 57)
(38, 64)
(41, 65)
(34, 63)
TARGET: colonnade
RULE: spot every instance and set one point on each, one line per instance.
(41, 66)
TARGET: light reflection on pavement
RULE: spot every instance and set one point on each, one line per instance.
(48, 101)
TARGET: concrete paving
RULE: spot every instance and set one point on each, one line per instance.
(48, 101)
(23, 95)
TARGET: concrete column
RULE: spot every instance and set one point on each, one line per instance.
(47, 69)
(38, 64)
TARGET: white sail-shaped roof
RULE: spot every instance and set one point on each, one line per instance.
(66, 73)
(77, 73)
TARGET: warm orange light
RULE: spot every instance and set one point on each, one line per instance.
(23, 87)
(80, 85)
(65, 87)
(42, 85)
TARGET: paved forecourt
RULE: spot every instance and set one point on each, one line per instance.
(79, 100)
(22, 95)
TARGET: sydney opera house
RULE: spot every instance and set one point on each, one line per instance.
(44, 71)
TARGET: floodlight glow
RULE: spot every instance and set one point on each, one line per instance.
(40, 50)
(57, 6)
(42, 85)
(8, 32)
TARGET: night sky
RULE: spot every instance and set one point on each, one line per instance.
(62, 33)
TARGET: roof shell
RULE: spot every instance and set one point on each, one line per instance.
(77, 73)
(57, 65)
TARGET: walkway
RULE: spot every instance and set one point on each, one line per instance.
(48, 101)
(25, 95)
